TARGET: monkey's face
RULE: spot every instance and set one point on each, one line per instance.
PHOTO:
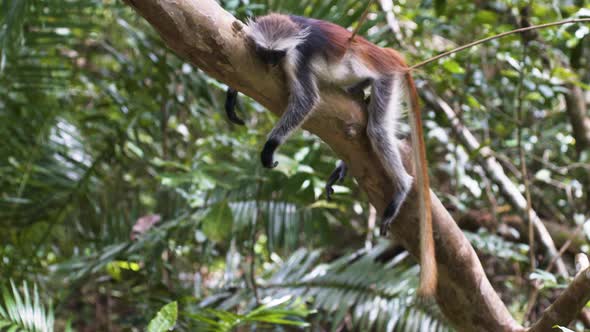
(270, 57)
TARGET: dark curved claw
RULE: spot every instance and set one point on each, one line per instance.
(266, 156)
(384, 228)
(231, 100)
(337, 175)
(391, 211)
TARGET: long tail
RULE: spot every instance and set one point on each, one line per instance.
(230, 105)
(428, 269)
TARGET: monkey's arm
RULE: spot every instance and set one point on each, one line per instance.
(230, 105)
(303, 99)
(337, 175)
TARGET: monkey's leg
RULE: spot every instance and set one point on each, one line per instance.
(384, 110)
(302, 100)
(337, 175)
(230, 104)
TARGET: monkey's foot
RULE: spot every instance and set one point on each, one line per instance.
(390, 214)
(337, 175)
(266, 157)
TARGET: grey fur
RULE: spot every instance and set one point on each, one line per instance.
(303, 98)
(384, 140)
(301, 57)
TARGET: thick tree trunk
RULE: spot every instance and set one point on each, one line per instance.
(213, 40)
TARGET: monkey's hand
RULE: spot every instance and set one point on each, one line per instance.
(267, 154)
(337, 175)
(230, 105)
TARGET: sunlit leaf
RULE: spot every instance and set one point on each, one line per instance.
(165, 318)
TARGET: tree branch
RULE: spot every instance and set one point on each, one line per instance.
(498, 36)
(569, 303)
(213, 40)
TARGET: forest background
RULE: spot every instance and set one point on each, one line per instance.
(127, 199)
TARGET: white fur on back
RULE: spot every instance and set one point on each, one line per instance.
(345, 72)
(396, 106)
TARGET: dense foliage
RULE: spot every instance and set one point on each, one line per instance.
(123, 188)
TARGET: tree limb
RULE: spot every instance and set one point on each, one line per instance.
(213, 40)
(498, 36)
(569, 303)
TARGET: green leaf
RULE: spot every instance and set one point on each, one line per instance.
(218, 222)
(453, 67)
(549, 281)
(165, 318)
(23, 310)
(440, 6)
(134, 148)
(486, 16)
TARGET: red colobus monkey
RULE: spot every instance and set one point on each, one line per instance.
(310, 51)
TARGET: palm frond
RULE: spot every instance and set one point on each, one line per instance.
(11, 21)
(497, 246)
(273, 313)
(24, 311)
(374, 295)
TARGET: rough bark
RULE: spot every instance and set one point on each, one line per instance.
(213, 40)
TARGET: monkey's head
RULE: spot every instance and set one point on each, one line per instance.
(273, 36)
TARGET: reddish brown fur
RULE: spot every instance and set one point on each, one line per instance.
(377, 58)
(428, 269)
(338, 37)
(386, 60)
